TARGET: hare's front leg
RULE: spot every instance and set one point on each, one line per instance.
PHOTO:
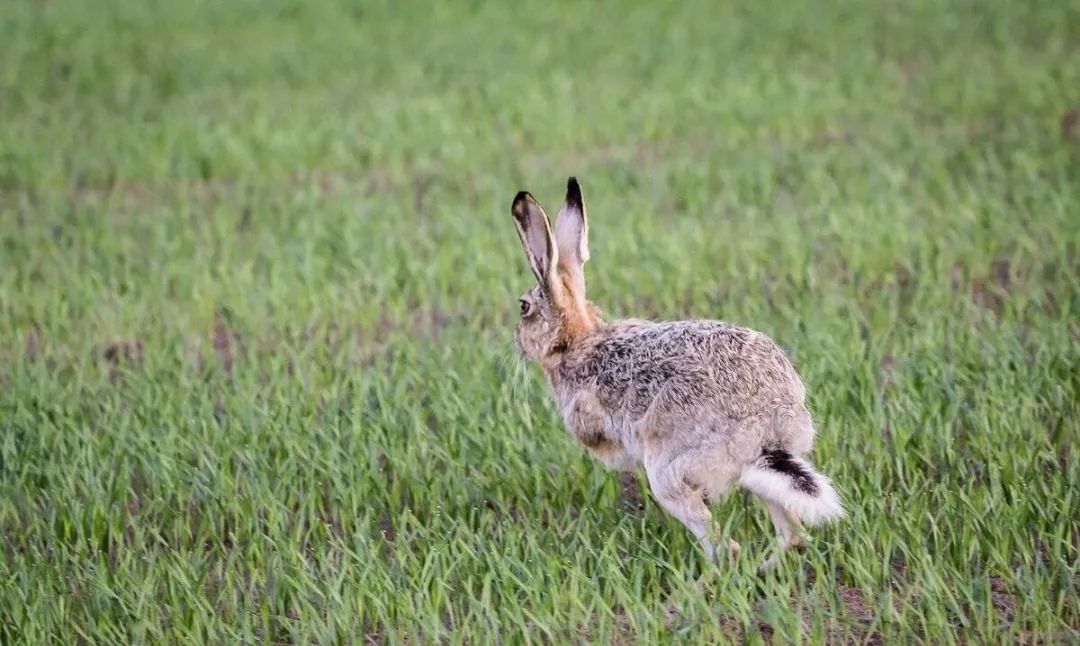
(587, 421)
(678, 494)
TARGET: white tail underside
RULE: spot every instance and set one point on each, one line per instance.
(779, 487)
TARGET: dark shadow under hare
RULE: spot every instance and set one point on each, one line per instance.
(700, 405)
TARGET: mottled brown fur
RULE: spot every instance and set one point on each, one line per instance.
(701, 405)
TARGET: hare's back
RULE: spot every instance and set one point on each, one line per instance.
(729, 369)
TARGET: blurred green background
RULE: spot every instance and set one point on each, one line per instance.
(258, 277)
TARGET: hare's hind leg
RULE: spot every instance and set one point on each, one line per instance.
(686, 502)
(788, 528)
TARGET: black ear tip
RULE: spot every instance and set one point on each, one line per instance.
(573, 191)
(521, 198)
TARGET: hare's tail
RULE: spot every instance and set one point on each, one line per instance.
(791, 482)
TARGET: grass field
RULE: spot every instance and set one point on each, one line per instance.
(258, 277)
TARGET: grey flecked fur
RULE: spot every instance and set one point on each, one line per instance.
(700, 405)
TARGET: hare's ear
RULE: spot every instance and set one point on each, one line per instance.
(536, 238)
(572, 238)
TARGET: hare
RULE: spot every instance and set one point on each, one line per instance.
(701, 405)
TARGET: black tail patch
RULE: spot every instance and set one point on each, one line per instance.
(781, 461)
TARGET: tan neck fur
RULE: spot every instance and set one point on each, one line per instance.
(579, 319)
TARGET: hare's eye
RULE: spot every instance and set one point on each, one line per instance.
(525, 307)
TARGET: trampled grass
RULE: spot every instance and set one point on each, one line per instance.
(258, 276)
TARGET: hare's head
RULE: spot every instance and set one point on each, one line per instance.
(554, 313)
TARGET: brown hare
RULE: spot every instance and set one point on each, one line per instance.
(701, 405)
